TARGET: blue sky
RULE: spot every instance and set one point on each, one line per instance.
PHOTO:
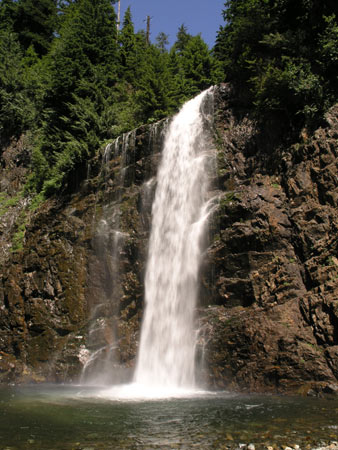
(199, 16)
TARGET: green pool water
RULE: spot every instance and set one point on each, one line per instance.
(75, 417)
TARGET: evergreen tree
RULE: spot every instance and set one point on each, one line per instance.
(132, 50)
(198, 65)
(182, 39)
(128, 49)
(8, 10)
(16, 109)
(83, 67)
(85, 50)
(281, 51)
(35, 22)
(154, 85)
(162, 40)
(192, 66)
(87, 81)
(21, 79)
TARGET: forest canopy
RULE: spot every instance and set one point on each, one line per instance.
(284, 54)
(71, 79)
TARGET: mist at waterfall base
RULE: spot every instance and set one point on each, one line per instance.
(69, 417)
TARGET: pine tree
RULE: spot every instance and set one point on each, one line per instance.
(154, 85)
(128, 53)
(182, 39)
(16, 109)
(281, 52)
(83, 67)
(8, 12)
(162, 40)
(192, 66)
(197, 64)
(22, 78)
(132, 50)
(35, 23)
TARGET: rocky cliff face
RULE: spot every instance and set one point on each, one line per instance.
(71, 290)
(271, 274)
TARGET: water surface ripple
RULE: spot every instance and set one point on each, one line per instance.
(77, 417)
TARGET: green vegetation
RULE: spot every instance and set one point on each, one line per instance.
(283, 56)
(228, 198)
(330, 261)
(7, 202)
(18, 238)
(73, 80)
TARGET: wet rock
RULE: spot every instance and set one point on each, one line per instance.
(66, 276)
(271, 264)
(331, 389)
(268, 315)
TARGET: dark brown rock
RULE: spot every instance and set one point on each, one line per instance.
(272, 267)
(268, 315)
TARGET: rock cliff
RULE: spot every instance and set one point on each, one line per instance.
(71, 288)
(271, 273)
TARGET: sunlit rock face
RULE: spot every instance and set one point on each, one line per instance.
(75, 288)
(271, 272)
(71, 299)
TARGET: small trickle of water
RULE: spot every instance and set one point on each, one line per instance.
(179, 215)
(100, 363)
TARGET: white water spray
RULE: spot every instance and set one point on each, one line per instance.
(167, 348)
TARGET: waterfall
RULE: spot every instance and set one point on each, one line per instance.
(167, 346)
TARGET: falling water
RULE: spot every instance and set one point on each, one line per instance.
(100, 363)
(180, 209)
